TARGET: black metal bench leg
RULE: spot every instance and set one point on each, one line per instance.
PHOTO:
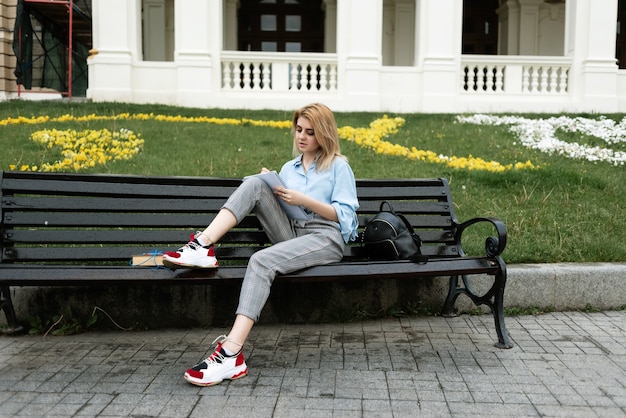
(7, 306)
(494, 299)
(498, 309)
(453, 293)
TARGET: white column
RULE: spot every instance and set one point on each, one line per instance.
(508, 28)
(154, 35)
(439, 32)
(359, 51)
(197, 52)
(590, 41)
(404, 41)
(110, 69)
(551, 29)
(529, 27)
(230, 25)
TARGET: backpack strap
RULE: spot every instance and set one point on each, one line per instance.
(386, 202)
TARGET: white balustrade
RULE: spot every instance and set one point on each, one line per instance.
(259, 71)
(501, 74)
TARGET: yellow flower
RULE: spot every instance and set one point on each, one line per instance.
(372, 138)
(95, 147)
(86, 148)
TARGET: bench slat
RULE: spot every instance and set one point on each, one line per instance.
(157, 236)
(123, 253)
(103, 185)
(406, 206)
(400, 192)
(199, 204)
(113, 254)
(409, 182)
(108, 204)
(116, 236)
(131, 220)
(77, 275)
(169, 220)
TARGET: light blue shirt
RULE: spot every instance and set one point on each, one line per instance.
(335, 186)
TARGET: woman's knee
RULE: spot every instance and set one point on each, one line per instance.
(252, 183)
(258, 262)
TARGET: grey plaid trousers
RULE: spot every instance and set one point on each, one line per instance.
(295, 244)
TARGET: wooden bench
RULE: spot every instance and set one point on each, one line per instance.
(81, 230)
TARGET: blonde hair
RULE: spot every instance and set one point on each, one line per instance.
(325, 128)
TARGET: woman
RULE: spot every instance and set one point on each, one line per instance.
(320, 180)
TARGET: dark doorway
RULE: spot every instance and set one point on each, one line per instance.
(480, 27)
(281, 26)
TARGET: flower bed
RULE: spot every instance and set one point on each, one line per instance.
(89, 148)
(540, 134)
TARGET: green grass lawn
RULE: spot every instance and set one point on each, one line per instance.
(566, 209)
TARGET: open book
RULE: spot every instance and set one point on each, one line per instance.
(273, 179)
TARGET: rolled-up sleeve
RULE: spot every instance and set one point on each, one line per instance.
(344, 199)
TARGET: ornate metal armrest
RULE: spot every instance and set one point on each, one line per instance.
(494, 245)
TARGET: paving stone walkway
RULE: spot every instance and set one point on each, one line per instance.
(564, 364)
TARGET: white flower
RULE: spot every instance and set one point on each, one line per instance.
(540, 134)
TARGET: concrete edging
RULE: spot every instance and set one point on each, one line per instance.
(565, 286)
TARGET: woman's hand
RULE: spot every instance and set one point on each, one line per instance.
(264, 170)
(294, 197)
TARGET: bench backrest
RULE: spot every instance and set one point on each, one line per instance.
(51, 217)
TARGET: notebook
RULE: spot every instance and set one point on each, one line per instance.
(273, 179)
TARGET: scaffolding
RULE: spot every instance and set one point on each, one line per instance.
(53, 38)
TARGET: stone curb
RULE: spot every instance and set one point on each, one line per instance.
(567, 286)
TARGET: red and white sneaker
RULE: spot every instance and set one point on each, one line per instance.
(217, 367)
(192, 255)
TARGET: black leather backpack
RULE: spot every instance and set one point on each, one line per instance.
(390, 236)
